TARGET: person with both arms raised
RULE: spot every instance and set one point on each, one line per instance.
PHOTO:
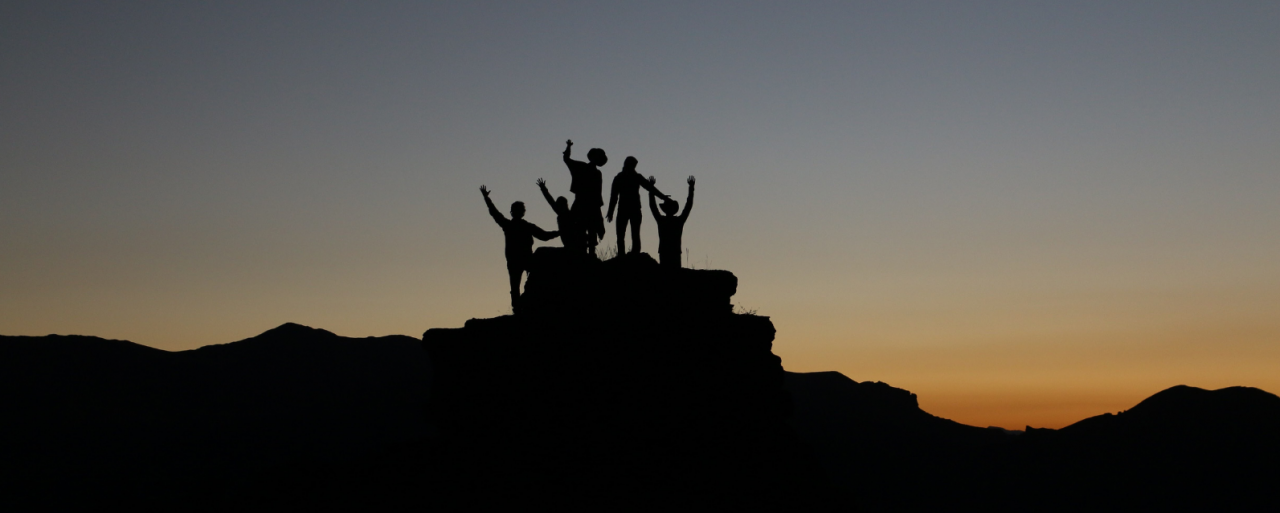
(670, 226)
(625, 194)
(519, 240)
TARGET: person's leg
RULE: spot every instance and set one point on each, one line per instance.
(586, 225)
(595, 228)
(599, 218)
(515, 272)
(622, 231)
(635, 231)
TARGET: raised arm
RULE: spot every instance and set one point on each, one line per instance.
(653, 189)
(568, 146)
(688, 204)
(493, 211)
(542, 184)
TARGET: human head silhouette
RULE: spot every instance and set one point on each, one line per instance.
(517, 210)
(669, 207)
(597, 157)
(562, 203)
(629, 164)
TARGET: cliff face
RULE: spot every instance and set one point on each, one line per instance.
(618, 383)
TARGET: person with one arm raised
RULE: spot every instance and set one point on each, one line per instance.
(625, 194)
(670, 226)
(519, 236)
(586, 188)
(571, 234)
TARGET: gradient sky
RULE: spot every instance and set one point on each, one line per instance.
(1024, 212)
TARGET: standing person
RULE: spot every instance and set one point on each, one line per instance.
(571, 234)
(670, 226)
(586, 188)
(625, 194)
(519, 234)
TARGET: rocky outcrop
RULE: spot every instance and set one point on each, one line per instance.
(619, 383)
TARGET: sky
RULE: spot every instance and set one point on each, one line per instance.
(1026, 213)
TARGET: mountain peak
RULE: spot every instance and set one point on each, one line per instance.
(1191, 410)
(291, 329)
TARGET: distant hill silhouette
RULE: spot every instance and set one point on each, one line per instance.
(95, 422)
(1183, 448)
(616, 385)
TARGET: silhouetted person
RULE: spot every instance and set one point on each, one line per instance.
(670, 226)
(519, 234)
(571, 234)
(586, 188)
(625, 194)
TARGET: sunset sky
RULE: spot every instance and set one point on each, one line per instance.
(1027, 213)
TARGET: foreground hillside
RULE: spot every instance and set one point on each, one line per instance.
(660, 399)
(90, 422)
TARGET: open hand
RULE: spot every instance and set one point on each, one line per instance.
(691, 180)
(568, 142)
(484, 190)
(542, 183)
(652, 180)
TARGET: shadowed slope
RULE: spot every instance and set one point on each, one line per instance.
(1181, 448)
(650, 395)
(101, 422)
(883, 452)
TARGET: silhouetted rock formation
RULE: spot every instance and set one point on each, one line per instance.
(95, 423)
(619, 384)
(625, 292)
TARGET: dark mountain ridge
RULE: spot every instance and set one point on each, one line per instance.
(1183, 448)
(651, 394)
(91, 421)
